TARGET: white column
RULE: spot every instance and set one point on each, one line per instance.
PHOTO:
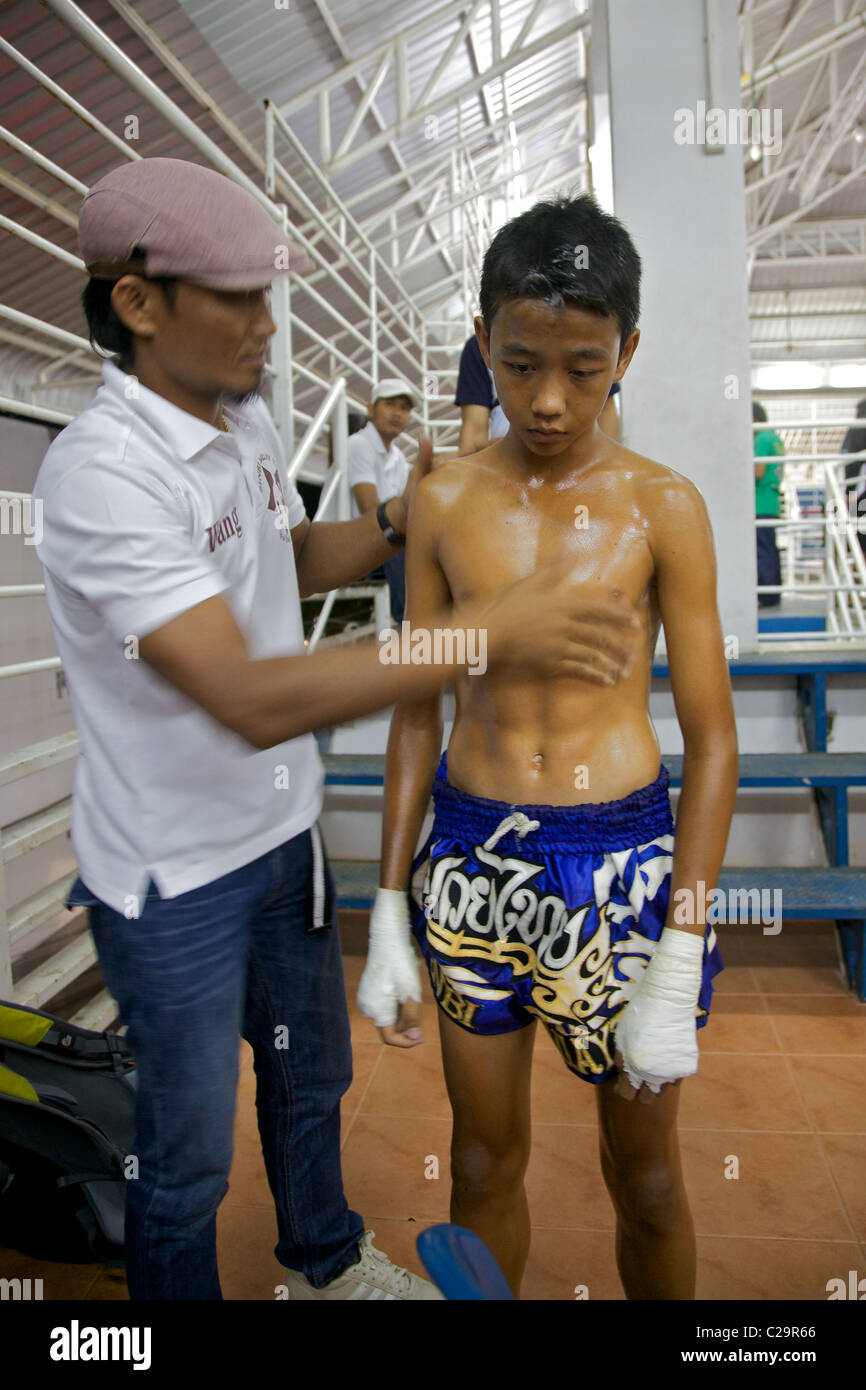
(686, 399)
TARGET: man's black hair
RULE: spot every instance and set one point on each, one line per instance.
(105, 329)
(565, 251)
(759, 414)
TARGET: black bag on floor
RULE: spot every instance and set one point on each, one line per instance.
(67, 1099)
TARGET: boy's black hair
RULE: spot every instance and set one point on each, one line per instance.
(105, 329)
(565, 251)
(759, 414)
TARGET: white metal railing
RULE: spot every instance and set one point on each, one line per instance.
(368, 309)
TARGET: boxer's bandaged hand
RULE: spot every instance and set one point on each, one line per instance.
(391, 974)
(657, 1033)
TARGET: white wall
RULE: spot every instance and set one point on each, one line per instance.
(686, 212)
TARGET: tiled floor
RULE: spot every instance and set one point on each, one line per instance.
(781, 1086)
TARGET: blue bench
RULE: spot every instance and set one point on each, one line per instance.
(810, 671)
(836, 771)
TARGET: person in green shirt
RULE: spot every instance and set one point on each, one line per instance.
(768, 502)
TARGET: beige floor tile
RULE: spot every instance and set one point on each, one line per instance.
(246, 1236)
(846, 1155)
(366, 1060)
(741, 1092)
(409, 1081)
(784, 1188)
(834, 1091)
(564, 1185)
(770, 1271)
(735, 979)
(384, 1165)
(562, 1264)
(811, 1025)
(738, 1023)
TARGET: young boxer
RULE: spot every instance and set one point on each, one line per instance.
(552, 886)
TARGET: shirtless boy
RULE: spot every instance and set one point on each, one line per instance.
(551, 887)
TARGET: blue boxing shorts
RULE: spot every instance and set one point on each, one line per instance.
(547, 912)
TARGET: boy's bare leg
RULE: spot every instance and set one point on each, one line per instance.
(640, 1161)
(488, 1082)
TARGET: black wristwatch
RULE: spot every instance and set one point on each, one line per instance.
(388, 530)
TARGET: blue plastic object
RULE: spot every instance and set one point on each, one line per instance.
(461, 1266)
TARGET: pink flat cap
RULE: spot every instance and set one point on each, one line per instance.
(192, 224)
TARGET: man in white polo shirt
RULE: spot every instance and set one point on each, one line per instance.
(175, 551)
(378, 469)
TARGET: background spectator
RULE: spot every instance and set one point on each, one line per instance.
(768, 502)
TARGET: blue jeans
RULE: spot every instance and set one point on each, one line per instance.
(189, 975)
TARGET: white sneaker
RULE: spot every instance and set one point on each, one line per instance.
(373, 1276)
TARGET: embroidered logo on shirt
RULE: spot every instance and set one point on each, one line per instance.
(225, 529)
(270, 477)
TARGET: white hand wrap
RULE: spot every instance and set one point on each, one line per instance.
(657, 1033)
(391, 974)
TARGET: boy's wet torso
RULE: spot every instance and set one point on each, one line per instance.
(540, 741)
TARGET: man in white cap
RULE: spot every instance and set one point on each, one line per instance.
(378, 468)
(175, 550)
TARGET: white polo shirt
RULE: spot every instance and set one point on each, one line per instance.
(146, 512)
(371, 462)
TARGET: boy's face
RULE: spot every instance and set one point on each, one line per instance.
(553, 369)
(390, 415)
(208, 342)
